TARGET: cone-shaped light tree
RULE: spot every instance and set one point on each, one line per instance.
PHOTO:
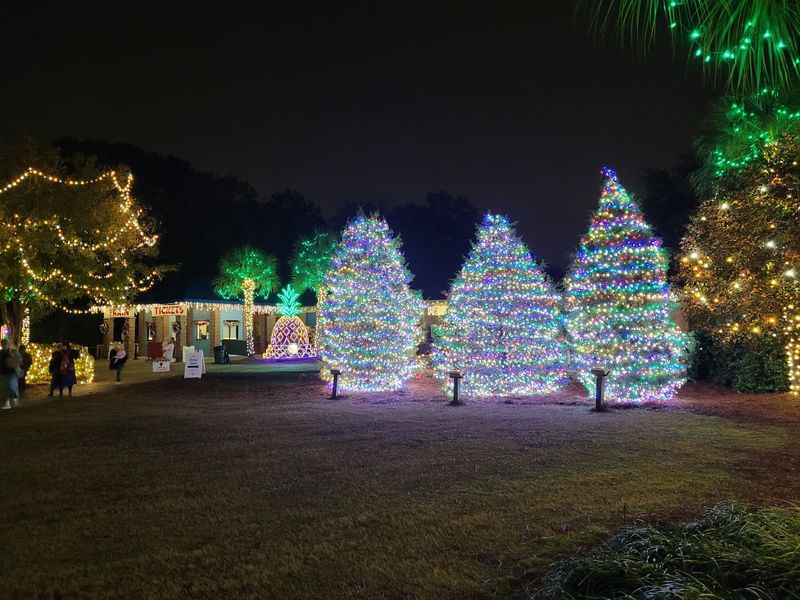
(618, 305)
(369, 316)
(244, 273)
(502, 326)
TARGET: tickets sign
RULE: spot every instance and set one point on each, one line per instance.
(169, 310)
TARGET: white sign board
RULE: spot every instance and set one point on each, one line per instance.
(195, 365)
(169, 310)
(161, 366)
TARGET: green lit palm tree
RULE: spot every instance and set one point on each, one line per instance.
(753, 43)
(310, 264)
(244, 273)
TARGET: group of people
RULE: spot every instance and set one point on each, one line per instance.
(16, 362)
(14, 365)
(62, 369)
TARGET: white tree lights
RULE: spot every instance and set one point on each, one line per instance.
(369, 316)
(618, 305)
(501, 329)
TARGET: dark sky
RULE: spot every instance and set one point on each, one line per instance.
(515, 105)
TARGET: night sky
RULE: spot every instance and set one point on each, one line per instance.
(515, 105)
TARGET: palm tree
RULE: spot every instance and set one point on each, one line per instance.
(244, 273)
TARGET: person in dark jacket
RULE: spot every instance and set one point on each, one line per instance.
(117, 360)
(25, 365)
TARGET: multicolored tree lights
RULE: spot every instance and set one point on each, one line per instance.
(289, 336)
(756, 43)
(740, 259)
(618, 305)
(247, 272)
(502, 326)
(370, 316)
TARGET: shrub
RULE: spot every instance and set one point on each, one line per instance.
(731, 553)
(756, 367)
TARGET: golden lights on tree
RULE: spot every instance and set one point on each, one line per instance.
(740, 260)
(72, 244)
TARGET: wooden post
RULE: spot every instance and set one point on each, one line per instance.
(456, 377)
(599, 376)
(335, 373)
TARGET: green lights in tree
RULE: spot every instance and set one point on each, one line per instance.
(754, 43)
(741, 129)
(245, 273)
(288, 305)
(311, 260)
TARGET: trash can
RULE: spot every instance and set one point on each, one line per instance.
(220, 356)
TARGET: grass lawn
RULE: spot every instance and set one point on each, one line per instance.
(256, 486)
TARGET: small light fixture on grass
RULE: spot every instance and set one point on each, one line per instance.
(599, 376)
(335, 373)
(456, 377)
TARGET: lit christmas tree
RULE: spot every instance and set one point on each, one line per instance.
(740, 259)
(369, 316)
(501, 330)
(618, 305)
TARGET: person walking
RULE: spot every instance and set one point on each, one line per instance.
(67, 368)
(118, 359)
(54, 368)
(9, 372)
(26, 363)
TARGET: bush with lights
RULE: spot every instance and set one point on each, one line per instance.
(618, 305)
(502, 326)
(370, 316)
(289, 335)
(41, 355)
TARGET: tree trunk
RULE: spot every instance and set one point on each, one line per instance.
(248, 289)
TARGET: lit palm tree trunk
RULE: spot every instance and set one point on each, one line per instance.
(248, 290)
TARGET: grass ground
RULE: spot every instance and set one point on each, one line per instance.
(257, 486)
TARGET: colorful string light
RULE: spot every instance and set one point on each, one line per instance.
(618, 305)
(289, 337)
(501, 330)
(370, 316)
